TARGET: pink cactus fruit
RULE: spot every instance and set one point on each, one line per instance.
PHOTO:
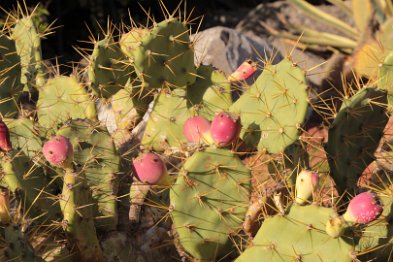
(244, 71)
(149, 168)
(225, 128)
(306, 184)
(5, 142)
(58, 151)
(363, 209)
(196, 129)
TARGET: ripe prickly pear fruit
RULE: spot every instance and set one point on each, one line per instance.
(58, 151)
(244, 71)
(196, 129)
(5, 142)
(306, 184)
(336, 226)
(149, 168)
(225, 128)
(363, 209)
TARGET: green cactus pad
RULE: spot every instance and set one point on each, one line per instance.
(354, 136)
(63, 98)
(209, 95)
(10, 77)
(78, 217)
(95, 154)
(165, 57)
(209, 201)
(385, 80)
(131, 40)
(274, 107)
(22, 175)
(28, 47)
(298, 236)
(211, 92)
(24, 136)
(129, 106)
(107, 71)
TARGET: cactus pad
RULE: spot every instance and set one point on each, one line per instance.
(298, 236)
(274, 107)
(165, 57)
(10, 77)
(108, 72)
(209, 95)
(354, 136)
(209, 201)
(95, 154)
(63, 98)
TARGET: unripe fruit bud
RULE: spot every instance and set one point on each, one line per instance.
(363, 209)
(5, 142)
(225, 128)
(196, 129)
(58, 151)
(244, 71)
(149, 168)
(306, 184)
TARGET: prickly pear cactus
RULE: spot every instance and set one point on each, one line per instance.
(78, 217)
(354, 136)
(209, 201)
(22, 176)
(131, 40)
(95, 155)
(273, 109)
(299, 235)
(63, 98)
(28, 47)
(165, 58)
(10, 77)
(209, 95)
(108, 72)
(24, 136)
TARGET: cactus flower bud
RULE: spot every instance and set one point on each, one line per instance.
(306, 184)
(196, 129)
(336, 226)
(244, 71)
(363, 209)
(225, 128)
(58, 151)
(149, 168)
(5, 142)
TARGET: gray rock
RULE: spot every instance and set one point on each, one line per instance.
(226, 48)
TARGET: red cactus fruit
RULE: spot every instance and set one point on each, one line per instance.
(363, 209)
(196, 128)
(225, 128)
(5, 142)
(306, 183)
(149, 168)
(244, 71)
(58, 151)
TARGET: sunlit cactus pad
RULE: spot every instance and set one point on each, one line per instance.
(209, 201)
(165, 58)
(273, 109)
(63, 98)
(298, 235)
